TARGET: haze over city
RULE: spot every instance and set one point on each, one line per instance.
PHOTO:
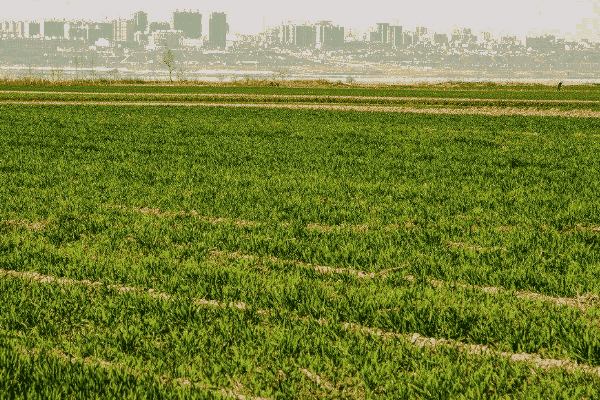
(516, 17)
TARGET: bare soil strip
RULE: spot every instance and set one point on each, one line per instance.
(323, 269)
(408, 226)
(474, 247)
(97, 362)
(30, 226)
(582, 228)
(34, 276)
(582, 302)
(535, 359)
(319, 380)
(309, 96)
(490, 111)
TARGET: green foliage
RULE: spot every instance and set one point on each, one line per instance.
(167, 200)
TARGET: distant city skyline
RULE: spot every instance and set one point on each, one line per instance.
(516, 17)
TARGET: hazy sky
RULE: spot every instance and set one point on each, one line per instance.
(504, 16)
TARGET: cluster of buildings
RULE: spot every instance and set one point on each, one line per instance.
(59, 42)
(185, 28)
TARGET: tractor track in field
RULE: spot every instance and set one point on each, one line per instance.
(484, 110)
(412, 338)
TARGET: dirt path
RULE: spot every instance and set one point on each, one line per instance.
(490, 111)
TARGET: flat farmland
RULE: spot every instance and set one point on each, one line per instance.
(208, 251)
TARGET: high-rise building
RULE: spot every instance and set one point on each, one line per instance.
(10, 27)
(463, 36)
(510, 40)
(588, 28)
(189, 22)
(383, 32)
(396, 37)
(140, 21)
(218, 29)
(304, 35)
(420, 34)
(329, 35)
(32, 29)
(123, 30)
(285, 34)
(485, 36)
(53, 29)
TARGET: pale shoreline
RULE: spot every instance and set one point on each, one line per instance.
(371, 74)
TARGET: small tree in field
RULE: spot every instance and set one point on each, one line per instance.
(169, 61)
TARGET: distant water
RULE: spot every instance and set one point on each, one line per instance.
(231, 75)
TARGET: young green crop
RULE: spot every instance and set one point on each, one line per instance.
(180, 207)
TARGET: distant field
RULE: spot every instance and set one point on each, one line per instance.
(276, 253)
(444, 90)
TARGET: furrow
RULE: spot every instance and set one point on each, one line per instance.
(474, 247)
(476, 349)
(30, 226)
(582, 302)
(323, 269)
(408, 225)
(325, 384)
(120, 288)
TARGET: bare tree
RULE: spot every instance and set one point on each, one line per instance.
(169, 61)
(78, 60)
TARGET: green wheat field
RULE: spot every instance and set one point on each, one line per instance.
(163, 251)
